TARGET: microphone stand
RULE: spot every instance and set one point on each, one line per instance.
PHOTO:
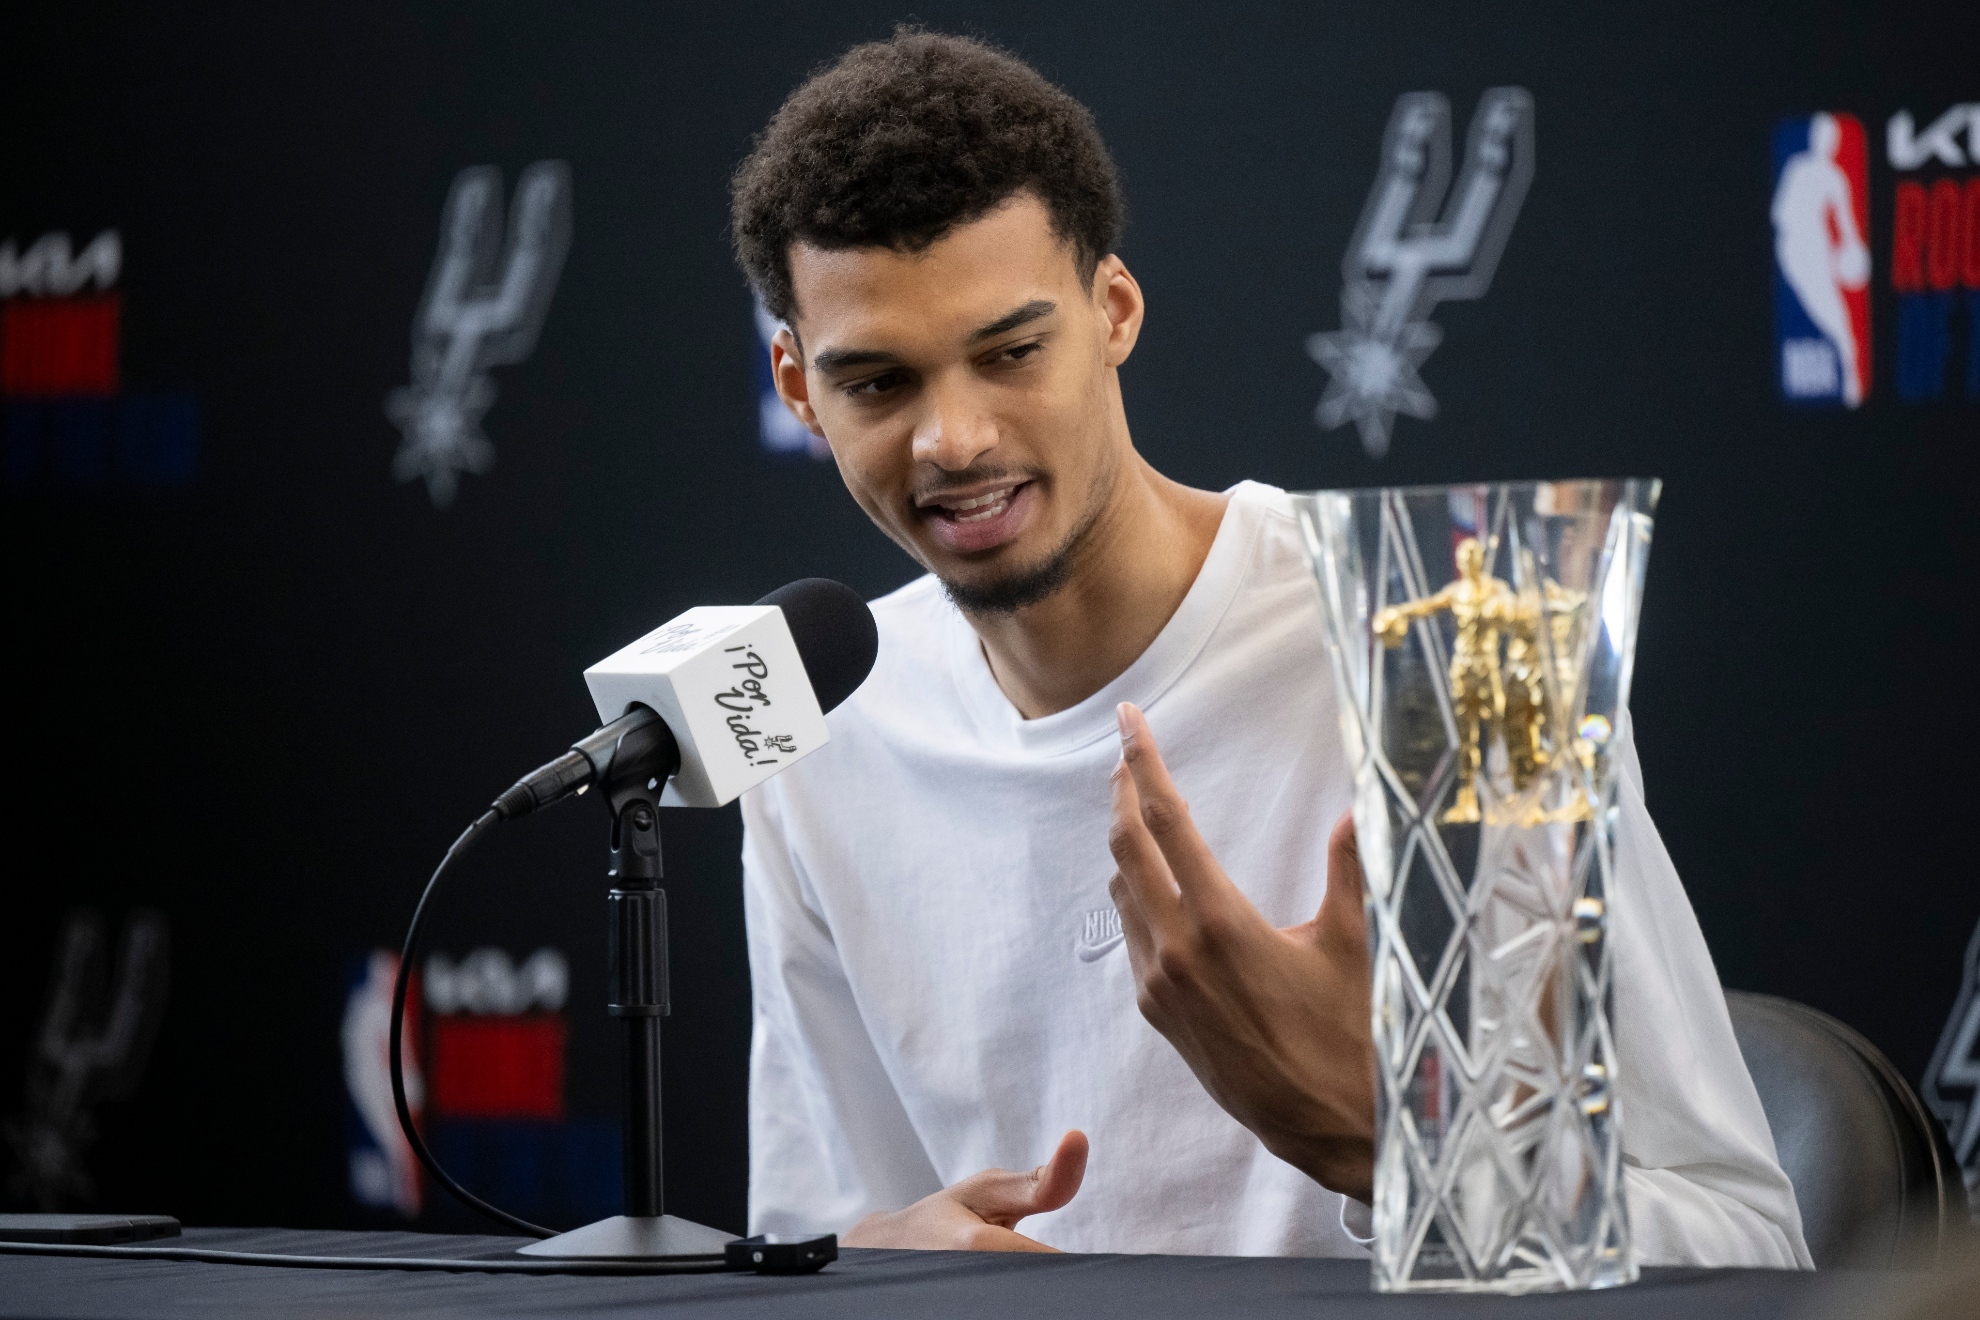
(637, 962)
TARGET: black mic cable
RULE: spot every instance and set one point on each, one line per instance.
(637, 745)
(400, 984)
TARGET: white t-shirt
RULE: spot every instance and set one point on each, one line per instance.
(940, 985)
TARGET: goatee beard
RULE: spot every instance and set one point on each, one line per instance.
(1041, 582)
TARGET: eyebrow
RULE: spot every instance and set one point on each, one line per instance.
(1034, 310)
(840, 359)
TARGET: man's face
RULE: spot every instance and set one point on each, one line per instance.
(968, 394)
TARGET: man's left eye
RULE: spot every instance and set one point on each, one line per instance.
(1019, 352)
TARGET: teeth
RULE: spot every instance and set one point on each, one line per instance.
(992, 498)
(982, 507)
(991, 512)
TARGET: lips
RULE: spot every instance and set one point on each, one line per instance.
(981, 519)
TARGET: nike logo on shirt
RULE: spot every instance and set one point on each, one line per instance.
(1099, 934)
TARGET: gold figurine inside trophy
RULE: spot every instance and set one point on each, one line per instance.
(1499, 680)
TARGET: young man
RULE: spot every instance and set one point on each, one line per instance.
(967, 911)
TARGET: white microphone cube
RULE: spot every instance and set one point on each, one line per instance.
(728, 681)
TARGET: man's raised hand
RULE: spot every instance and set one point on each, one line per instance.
(1274, 1023)
(978, 1213)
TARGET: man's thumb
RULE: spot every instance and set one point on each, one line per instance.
(1004, 1196)
(1343, 898)
(1057, 1180)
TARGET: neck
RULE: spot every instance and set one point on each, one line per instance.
(1138, 563)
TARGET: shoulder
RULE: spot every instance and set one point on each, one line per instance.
(914, 623)
(1275, 613)
(918, 603)
(1270, 509)
(911, 665)
(1278, 546)
(908, 700)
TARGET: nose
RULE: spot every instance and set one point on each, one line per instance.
(954, 430)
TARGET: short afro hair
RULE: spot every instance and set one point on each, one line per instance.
(900, 141)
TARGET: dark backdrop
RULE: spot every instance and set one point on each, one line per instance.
(265, 702)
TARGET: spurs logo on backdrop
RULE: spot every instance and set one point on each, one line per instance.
(1414, 248)
(92, 1045)
(484, 304)
(1952, 1079)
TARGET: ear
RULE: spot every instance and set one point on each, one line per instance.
(1117, 296)
(787, 372)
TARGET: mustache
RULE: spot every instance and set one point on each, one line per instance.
(949, 482)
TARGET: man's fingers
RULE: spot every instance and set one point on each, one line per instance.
(1143, 870)
(1165, 815)
(1004, 1196)
(1135, 929)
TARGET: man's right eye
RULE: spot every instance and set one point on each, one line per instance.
(885, 383)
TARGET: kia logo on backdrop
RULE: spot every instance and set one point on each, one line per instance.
(484, 304)
(68, 421)
(1935, 251)
(1421, 241)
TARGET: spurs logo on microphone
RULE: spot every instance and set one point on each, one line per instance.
(483, 306)
(1416, 247)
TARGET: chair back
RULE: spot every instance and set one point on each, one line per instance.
(1872, 1169)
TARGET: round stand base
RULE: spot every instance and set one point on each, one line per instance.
(645, 1237)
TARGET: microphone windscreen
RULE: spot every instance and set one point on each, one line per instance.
(835, 635)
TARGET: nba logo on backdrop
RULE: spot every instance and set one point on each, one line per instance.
(1821, 216)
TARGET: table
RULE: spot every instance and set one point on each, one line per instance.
(877, 1284)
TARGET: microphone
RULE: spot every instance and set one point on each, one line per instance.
(715, 701)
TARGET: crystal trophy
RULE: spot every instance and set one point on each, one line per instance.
(1482, 639)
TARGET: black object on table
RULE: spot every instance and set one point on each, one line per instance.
(877, 1284)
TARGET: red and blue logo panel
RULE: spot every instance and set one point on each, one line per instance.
(1821, 221)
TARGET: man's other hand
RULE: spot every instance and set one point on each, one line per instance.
(1274, 1023)
(978, 1213)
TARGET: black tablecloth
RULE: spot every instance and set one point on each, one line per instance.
(917, 1284)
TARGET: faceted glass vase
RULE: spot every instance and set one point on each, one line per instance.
(1482, 639)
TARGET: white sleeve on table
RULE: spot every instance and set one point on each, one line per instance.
(1703, 1181)
(829, 1139)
